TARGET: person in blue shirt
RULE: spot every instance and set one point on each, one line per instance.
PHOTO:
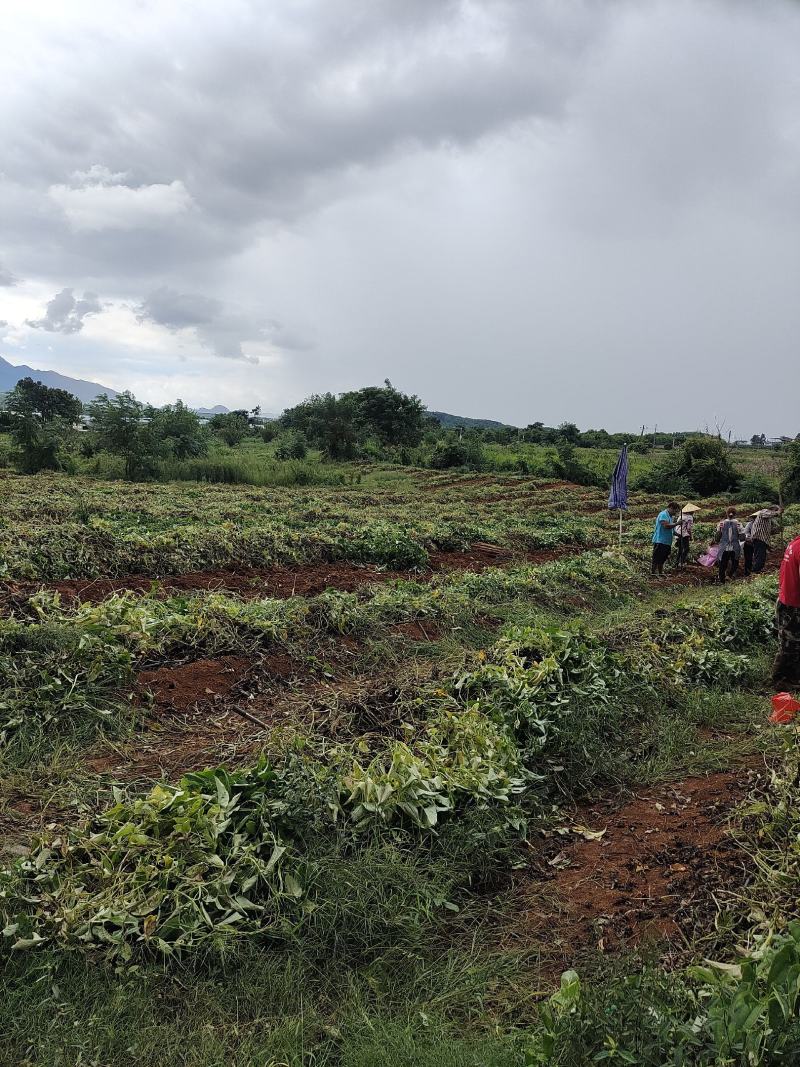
(662, 536)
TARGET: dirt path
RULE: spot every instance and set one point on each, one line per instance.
(650, 874)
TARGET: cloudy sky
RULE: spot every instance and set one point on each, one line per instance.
(519, 209)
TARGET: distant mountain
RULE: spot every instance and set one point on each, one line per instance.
(461, 420)
(85, 391)
(220, 409)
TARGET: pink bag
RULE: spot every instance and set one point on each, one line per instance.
(710, 557)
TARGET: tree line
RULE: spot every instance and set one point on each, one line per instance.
(372, 423)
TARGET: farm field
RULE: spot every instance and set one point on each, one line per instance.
(421, 769)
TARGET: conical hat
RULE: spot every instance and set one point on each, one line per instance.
(690, 508)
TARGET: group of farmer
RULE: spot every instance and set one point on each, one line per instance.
(731, 542)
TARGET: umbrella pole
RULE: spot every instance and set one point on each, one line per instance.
(620, 527)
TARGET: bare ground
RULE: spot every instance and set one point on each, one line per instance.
(651, 874)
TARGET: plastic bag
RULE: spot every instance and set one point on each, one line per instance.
(709, 558)
(784, 709)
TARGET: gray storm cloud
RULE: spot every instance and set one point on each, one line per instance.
(524, 210)
(222, 329)
(65, 314)
(250, 118)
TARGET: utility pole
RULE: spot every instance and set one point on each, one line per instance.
(655, 431)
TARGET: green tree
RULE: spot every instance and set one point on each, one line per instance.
(790, 482)
(179, 430)
(567, 466)
(328, 422)
(30, 398)
(338, 424)
(232, 427)
(143, 435)
(292, 445)
(569, 432)
(393, 417)
(701, 465)
(121, 427)
(42, 425)
(534, 432)
(453, 450)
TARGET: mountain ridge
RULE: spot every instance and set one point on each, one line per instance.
(447, 420)
(85, 390)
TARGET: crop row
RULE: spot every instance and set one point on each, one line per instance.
(223, 854)
(101, 548)
(61, 668)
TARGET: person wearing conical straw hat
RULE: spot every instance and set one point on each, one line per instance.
(747, 547)
(683, 531)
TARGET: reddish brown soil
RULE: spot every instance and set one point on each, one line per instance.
(23, 818)
(651, 876)
(695, 574)
(476, 558)
(200, 737)
(203, 681)
(480, 556)
(314, 578)
(307, 580)
(304, 580)
(417, 631)
(193, 721)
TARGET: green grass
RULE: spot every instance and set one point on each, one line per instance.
(261, 1009)
(400, 957)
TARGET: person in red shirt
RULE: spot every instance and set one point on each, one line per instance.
(786, 669)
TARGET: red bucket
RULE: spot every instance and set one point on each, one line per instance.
(784, 709)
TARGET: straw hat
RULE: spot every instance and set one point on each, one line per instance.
(688, 509)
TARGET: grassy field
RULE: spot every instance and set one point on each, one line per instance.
(415, 769)
(254, 462)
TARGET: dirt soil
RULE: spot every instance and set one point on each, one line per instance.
(480, 556)
(204, 680)
(200, 737)
(466, 481)
(417, 630)
(650, 876)
(307, 580)
(192, 721)
(695, 574)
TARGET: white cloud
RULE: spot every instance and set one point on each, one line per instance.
(101, 201)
